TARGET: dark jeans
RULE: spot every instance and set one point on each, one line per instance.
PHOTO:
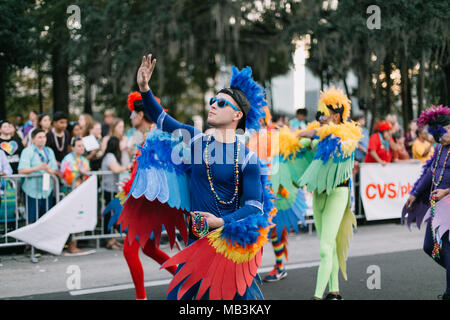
(38, 207)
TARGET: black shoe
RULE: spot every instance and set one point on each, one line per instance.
(333, 297)
(445, 296)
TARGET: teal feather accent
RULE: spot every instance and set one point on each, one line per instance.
(325, 177)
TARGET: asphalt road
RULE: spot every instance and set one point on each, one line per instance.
(406, 275)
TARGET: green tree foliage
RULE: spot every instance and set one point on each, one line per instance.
(194, 39)
(16, 44)
(413, 38)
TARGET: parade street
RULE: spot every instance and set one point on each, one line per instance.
(386, 261)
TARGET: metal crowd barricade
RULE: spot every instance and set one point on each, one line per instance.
(14, 210)
(104, 197)
(15, 205)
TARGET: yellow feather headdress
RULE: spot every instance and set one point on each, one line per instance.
(335, 98)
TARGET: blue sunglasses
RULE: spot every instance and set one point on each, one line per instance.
(221, 103)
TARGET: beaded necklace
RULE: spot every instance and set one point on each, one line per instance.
(210, 179)
(44, 158)
(60, 148)
(78, 162)
(435, 184)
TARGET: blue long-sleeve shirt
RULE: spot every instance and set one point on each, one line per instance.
(222, 170)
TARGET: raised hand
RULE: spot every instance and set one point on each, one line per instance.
(145, 72)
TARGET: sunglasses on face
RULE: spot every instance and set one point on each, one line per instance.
(222, 103)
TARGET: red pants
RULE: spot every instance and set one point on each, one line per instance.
(131, 253)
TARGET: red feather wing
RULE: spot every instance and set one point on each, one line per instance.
(143, 217)
(205, 264)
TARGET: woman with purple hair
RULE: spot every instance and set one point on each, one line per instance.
(430, 197)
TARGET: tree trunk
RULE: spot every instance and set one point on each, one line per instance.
(348, 94)
(60, 77)
(410, 112)
(404, 89)
(388, 71)
(39, 83)
(87, 95)
(421, 84)
(446, 98)
(321, 81)
(3, 77)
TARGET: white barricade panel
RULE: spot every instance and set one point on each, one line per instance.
(384, 190)
(77, 212)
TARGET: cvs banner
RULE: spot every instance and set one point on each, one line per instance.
(384, 190)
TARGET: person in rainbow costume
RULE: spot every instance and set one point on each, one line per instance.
(287, 157)
(429, 199)
(329, 178)
(131, 247)
(208, 186)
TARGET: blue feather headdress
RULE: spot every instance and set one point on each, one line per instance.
(243, 81)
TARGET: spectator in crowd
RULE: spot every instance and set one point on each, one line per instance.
(5, 168)
(396, 128)
(111, 162)
(108, 119)
(400, 154)
(410, 137)
(278, 120)
(58, 138)
(86, 123)
(37, 158)
(422, 148)
(117, 130)
(75, 130)
(74, 166)
(299, 122)
(10, 144)
(381, 144)
(44, 123)
(361, 150)
(14, 131)
(95, 156)
(74, 169)
(31, 123)
(19, 125)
